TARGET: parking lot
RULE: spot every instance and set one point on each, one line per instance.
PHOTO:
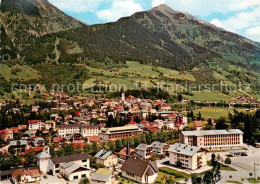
(243, 164)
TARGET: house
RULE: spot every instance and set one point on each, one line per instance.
(34, 125)
(82, 159)
(7, 134)
(197, 125)
(107, 158)
(50, 124)
(38, 141)
(101, 176)
(18, 146)
(28, 135)
(43, 160)
(213, 139)
(26, 176)
(144, 150)
(191, 157)
(93, 139)
(159, 147)
(123, 153)
(139, 170)
(72, 171)
(58, 141)
(55, 117)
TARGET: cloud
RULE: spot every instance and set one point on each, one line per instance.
(158, 2)
(216, 22)
(118, 9)
(254, 33)
(207, 7)
(77, 6)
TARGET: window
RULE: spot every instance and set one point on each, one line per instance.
(83, 175)
(57, 165)
(84, 160)
(75, 177)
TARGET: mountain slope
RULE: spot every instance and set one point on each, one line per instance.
(159, 36)
(38, 33)
(22, 20)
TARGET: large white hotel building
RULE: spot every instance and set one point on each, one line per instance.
(213, 139)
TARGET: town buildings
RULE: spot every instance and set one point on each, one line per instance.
(213, 139)
(191, 157)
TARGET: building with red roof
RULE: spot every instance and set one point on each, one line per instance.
(197, 125)
(26, 175)
(34, 125)
(93, 139)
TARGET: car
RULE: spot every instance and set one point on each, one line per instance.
(59, 176)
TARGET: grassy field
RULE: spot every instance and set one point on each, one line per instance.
(214, 112)
(162, 177)
(21, 72)
(209, 96)
(252, 180)
(124, 180)
(233, 181)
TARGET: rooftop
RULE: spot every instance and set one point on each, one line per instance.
(183, 149)
(211, 132)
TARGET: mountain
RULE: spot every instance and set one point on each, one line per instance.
(22, 20)
(39, 34)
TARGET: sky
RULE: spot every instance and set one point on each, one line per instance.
(238, 16)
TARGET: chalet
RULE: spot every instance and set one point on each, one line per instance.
(106, 158)
(139, 170)
(159, 147)
(144, 150)
(26, 176)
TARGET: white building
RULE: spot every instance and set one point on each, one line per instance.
(139, 170)
(35, 125)
(213, 139)
(26, 176)
(191, 157)
(84, 130)
(107, 158)
(72, 171)
(43, 161)
(144, 150)
(54, 164)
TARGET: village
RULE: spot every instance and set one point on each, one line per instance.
(125, 140)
